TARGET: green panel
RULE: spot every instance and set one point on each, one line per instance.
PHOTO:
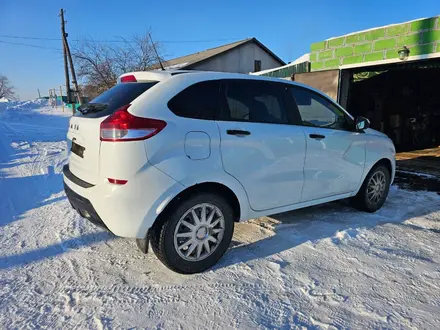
(376, 56)
(391, 53)
(431, 36)
(412, 39)
(421, 49)
(424, 24)
(354, 38)
(352, 59)
(332, 63)
(397, 30)
(438, 47)
(362, 48)
(313, 57)
(317, 66)
(385, 44)
(344, 51)
(374, 34)
(325, 55)
(336, 42)
(317, 46)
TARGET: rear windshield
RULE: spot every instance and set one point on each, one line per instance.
(111, 100)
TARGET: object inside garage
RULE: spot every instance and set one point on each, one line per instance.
(401, 100)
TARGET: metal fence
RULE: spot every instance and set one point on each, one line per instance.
(288, 70)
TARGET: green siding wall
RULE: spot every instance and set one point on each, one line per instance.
(421, 37)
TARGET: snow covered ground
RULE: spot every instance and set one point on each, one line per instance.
(327, 267)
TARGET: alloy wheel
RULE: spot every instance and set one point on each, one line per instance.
(199, 232)
(376, 187)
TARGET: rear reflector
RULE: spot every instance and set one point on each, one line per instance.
(117, 181)
(129, 78)
(123, 126)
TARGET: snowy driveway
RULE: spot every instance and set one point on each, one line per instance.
(327, 267)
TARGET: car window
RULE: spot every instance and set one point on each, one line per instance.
(197, 101)
(111, 100)
(317, 111)
(254, 101)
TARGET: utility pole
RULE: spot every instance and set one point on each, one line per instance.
(66, 69)
(69, 55)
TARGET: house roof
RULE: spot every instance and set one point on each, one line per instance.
(189, 60)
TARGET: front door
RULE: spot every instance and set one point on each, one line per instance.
(259, 146)
(335, 154)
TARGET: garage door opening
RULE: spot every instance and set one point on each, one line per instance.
(401, 100)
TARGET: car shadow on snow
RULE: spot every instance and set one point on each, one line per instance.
(54, 249)
(22, 194)
(337, 221)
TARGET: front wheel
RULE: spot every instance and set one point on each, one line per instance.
(195, 234)
(374, 190)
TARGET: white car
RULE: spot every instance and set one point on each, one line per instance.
(175, 158)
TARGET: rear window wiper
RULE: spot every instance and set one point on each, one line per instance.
(92, 107)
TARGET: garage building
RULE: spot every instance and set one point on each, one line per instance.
(389, 74)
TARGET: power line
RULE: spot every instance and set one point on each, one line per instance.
(194, 41)
(30, 38)
(92, 40)
(54, 39)
(29, 45)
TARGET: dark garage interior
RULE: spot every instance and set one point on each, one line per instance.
(402, 100)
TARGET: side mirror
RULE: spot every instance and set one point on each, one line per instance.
(361, 123)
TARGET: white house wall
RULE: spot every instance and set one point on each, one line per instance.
(240, 60)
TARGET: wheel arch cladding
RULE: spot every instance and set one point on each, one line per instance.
(210, 187)
(387, 163)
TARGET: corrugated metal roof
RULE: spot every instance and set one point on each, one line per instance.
(188, 60)
(297, 66)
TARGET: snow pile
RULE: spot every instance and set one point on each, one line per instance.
(30, 111)
(23, 105)
(301, 59)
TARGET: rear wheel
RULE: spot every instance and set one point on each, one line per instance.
(195, 234)
(374, 190)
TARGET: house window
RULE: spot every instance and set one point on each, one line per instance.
(257, 65)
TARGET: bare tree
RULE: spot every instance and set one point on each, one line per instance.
(6, 88)
(99, 64)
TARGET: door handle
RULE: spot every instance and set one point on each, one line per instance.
(237, 132)
(317, 136)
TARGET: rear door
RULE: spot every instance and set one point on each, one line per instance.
(335, 155)
(260, 147)
(83, 136)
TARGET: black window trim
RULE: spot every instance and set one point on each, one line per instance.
(348, 117)
(293, 114)
(288, 103)
(217, 106)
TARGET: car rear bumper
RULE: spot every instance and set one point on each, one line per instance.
(126, 210)
(83, 207)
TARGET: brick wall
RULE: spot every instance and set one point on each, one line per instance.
(421, 37)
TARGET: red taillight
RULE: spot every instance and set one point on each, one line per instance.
(129, 78)
(117, 181)
(123, 126)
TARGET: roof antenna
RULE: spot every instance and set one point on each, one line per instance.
(157, 55)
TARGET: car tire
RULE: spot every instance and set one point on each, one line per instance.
(173, 240)
(374, 190)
